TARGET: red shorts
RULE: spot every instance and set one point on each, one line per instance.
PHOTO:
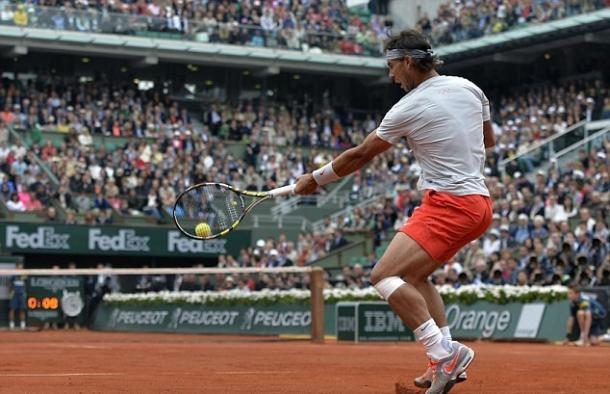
(444, 223)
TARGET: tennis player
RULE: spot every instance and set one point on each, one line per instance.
(446, 121)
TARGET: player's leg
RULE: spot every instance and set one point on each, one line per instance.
(404, 258)
(442, 225)
(22, 319)
(595, 331)
(436, 307)
(584, 323)
(22, 309)
(11, 318)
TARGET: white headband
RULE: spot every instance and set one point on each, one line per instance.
(392, 54)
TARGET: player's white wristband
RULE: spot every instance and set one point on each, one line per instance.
(325, 174)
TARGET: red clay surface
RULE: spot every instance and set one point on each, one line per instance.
(96, 362)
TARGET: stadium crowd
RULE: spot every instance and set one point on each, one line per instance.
(553, 230)
(549, 230)
(464, 20)
(186, 151)
(313, 25)
(175, 148)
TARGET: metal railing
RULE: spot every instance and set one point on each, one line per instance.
(595, 140)
(534, 157)
(178, 27)
(338, 258)
(325, 199)
(318, 226)
(281, 221)
(290, 205)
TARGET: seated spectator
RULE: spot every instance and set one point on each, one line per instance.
(103, 216)
(28, 201)
(100, 202)
(70, 217)
(15, 203)
(338, 240)
(51, 215)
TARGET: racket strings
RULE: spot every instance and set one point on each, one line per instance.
(214, 205)
(231, 205)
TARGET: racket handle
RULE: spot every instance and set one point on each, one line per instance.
(282, 191)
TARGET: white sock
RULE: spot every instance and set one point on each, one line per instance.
(11, 324)
(431, 337)
(446, 333)
(22, 324)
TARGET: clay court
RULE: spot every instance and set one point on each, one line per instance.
(86, 361)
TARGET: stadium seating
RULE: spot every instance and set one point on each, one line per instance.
(457, 21)
(122, 177)
(148, 146)
(315, 26)
(92, 139)
(527, 210)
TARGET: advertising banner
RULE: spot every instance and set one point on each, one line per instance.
(370, 321)
(284, 319)
(113, 240)
(349, 321)
(375, 321)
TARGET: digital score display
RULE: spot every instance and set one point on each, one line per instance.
(47, 297)
(46, 303)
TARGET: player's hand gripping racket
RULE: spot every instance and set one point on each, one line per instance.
(211, 210)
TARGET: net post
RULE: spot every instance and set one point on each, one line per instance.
(317, 304)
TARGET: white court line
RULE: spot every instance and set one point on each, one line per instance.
(65, 345)
(58, 375)
(252, 372)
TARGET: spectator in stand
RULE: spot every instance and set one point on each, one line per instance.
(51, 215)
(338, 240)
(15, 204)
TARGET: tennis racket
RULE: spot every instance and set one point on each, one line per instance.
(211, 210)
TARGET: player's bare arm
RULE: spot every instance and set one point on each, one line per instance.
(488, 135)
(347, 162)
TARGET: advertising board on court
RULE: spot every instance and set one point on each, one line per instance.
(259, 320)
(375, 321)
(349, 321)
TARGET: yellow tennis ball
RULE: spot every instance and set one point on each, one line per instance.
(203, 229)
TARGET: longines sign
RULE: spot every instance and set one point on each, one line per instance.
(114, 240)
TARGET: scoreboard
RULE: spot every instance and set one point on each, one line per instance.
(51, 298)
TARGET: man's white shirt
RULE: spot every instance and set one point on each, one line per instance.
(442, 119)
